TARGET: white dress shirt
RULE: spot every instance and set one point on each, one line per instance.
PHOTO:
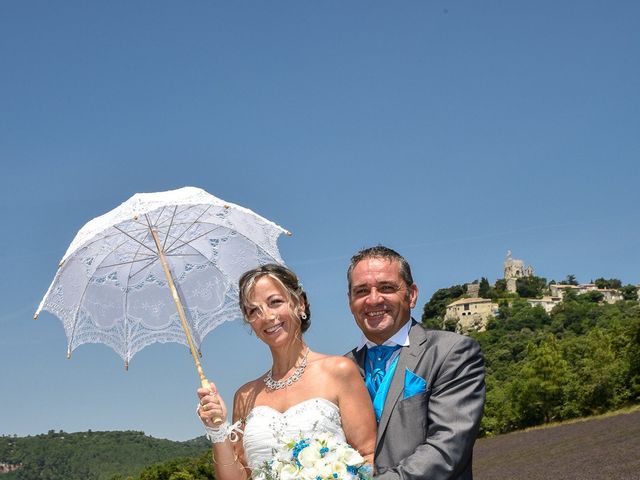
(401, 337)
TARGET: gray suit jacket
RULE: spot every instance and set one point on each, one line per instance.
(431, 435)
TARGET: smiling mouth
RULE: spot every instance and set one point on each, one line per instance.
(376, 313)
(273, 329)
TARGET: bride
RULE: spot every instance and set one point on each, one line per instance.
(304, 392)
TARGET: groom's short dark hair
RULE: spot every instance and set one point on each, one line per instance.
(380, 251)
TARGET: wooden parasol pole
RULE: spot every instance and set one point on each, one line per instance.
(176, 300)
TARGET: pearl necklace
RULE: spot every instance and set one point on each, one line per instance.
(272, 384)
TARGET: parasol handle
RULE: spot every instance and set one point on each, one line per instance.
(176, 299)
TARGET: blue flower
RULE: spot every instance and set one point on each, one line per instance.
(298, 447)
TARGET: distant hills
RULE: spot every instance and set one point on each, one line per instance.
(89, 455)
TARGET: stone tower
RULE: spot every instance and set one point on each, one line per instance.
(513, 270)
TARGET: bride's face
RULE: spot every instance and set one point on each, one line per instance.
(271, 313)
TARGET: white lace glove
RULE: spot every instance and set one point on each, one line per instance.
(223, 431)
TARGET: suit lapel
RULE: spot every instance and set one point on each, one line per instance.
(408, 360)
(359, 357)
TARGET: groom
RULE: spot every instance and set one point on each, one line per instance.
(427, 386)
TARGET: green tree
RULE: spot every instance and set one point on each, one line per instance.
(500, 287)
(449, 325)
(526, 316)
(597, 383)
(537, 392)
(608, 283)
(629, 292)
(485, 290)
(434, 323)
(531, 287)
(575, 314)
(498, 415)
(592, 296)
(436, 307)
(569, 280)
(632, 354)
(199, 468)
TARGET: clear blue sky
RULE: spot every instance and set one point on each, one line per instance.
(449, 130)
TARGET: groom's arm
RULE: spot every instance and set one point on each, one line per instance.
(453, 414)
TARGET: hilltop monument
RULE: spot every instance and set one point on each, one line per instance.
(513, 270)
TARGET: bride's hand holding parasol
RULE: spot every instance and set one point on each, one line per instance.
(212, 409)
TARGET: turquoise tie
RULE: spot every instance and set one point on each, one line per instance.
(378, 357)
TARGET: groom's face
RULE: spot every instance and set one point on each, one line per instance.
(379, 298)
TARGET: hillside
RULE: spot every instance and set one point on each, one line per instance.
(579, 358)
(89, 455)
(598, 448)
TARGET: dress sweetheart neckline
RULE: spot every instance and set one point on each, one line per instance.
(295, 405)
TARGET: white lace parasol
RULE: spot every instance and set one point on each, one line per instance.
(116, 281)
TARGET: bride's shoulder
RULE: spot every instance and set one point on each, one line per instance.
(338, 365)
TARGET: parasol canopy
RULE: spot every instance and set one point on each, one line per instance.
(161, 267)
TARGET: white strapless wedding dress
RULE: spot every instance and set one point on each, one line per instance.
(266, 428)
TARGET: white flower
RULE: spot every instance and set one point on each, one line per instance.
(324, 469)
(352, 457)
(308, 473)
(309, 456)
(289, 472)
(340, 468)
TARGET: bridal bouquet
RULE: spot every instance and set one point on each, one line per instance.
(319, 458)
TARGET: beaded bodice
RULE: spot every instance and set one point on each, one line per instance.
(266, 428)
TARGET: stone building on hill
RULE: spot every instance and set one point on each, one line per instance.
(473, 289)
(609, 295)
(471, 313)
(513, 270)
(548, 303)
